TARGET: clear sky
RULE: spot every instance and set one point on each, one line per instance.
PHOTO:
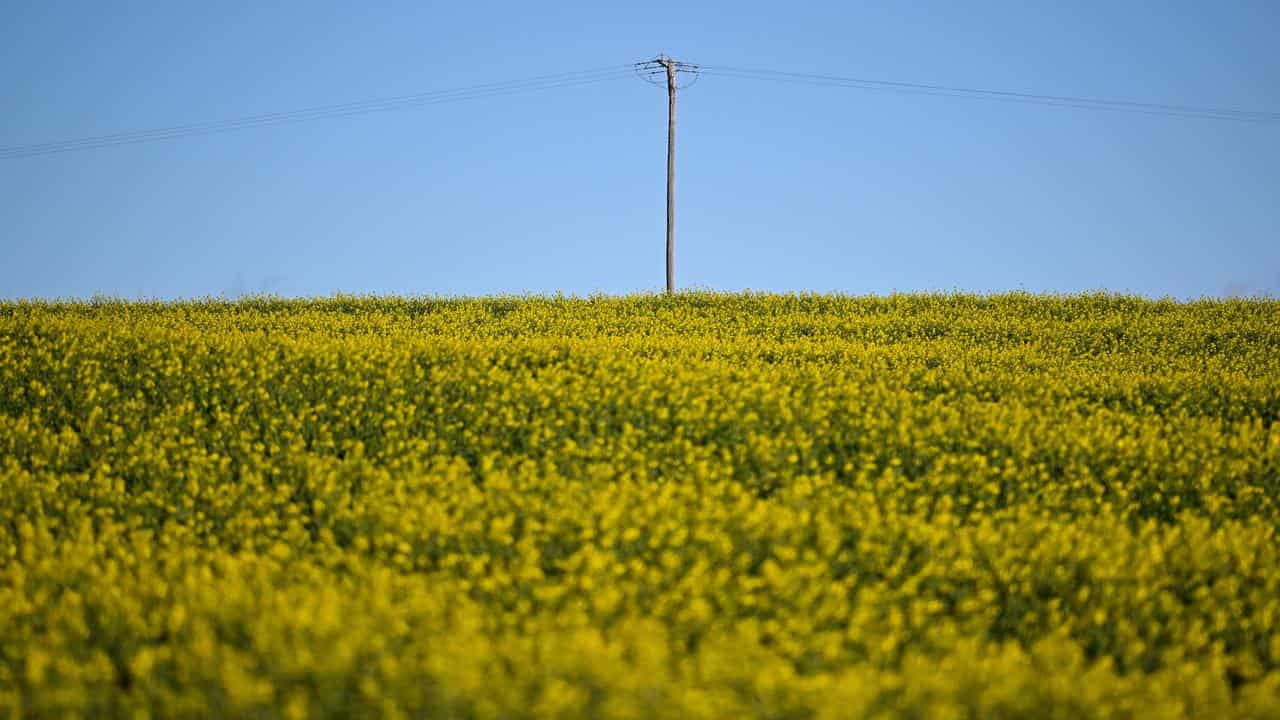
(781, 186)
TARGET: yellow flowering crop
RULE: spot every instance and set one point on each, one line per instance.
(705, 506)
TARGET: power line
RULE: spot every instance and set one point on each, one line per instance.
(1146, 108)
(320, 112)
(495, 89)
(601, 74)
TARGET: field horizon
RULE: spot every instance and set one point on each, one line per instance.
(652, 294)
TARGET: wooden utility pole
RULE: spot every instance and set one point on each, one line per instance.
(670, 70)
(670, 66)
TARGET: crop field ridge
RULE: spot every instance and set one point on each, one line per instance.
(698, 506)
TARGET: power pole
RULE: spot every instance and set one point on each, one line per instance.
(671, 173)
(670, 68)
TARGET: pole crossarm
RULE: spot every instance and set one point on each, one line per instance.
(654, 71)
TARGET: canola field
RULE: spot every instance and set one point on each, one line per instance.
(706, 506)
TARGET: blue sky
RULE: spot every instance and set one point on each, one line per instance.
(782, 187)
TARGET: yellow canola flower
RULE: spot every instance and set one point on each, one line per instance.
(702, 506)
